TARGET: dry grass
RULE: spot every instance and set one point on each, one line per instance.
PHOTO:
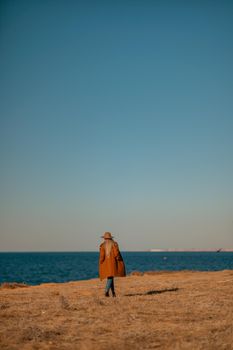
(171, 310)
(12, 285)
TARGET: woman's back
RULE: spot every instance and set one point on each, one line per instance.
(110, 262)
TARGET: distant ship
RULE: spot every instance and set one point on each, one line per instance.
(192, 250)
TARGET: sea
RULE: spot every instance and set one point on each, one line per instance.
(36, 267)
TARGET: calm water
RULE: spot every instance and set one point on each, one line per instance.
(36, 268)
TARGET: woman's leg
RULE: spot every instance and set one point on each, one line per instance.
(113, 288)
(108, 286)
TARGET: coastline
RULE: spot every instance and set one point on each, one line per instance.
(162, 309)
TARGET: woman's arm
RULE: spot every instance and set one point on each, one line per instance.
(117, 253)
(102, 254)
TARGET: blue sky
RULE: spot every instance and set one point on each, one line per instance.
(116, 116)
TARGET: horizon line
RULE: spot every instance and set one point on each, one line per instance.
(137, 250)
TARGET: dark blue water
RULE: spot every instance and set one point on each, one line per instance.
(36, 268)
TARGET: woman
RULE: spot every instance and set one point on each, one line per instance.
(111, 263)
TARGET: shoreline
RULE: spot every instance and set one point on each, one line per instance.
(165, 310)
(10, 284)
(7, 284)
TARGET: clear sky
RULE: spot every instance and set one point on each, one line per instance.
(116, 116)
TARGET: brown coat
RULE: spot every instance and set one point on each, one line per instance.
(112, 265)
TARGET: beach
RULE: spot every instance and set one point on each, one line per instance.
(154, 310)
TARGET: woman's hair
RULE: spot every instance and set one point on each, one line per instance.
(108, 244)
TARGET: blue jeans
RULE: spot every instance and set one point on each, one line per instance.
(110, 285)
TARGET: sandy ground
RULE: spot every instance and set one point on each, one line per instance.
(166, 310)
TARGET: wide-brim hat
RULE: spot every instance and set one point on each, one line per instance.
(107, 235)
